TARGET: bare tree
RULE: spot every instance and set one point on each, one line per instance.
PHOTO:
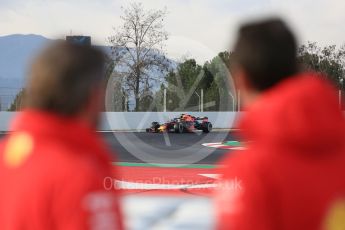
(137, 49)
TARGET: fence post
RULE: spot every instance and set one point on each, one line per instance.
(233, 101)
(165, 100)
(202, 101)
(199, 100)
(239, 101)
(126, 104)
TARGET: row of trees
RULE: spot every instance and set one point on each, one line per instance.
(185, 85)
(213, 78)
(140, 64)
(329, 61)
(140, 76)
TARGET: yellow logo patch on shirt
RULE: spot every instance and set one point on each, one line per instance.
(335, 219)
(18, 147)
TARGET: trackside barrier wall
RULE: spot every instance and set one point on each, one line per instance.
(137, 121)
(143, 120)
(5, 119)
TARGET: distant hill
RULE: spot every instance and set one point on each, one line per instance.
(16, 52)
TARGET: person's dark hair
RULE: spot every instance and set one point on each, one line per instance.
(63, 76)
(267, 51)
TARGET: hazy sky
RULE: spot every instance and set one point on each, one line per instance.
(197, 28)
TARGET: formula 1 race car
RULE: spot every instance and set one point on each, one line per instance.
(184, 123)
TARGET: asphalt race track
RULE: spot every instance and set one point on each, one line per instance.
(168, 148)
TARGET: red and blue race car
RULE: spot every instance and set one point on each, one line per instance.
(184, 123)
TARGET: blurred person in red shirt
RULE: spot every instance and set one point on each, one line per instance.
(292, 174)
(52, 167)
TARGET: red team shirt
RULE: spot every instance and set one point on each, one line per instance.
(52, 171)
(292, 176)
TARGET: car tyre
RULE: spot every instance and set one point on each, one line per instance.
(207, 127)
(179, 128)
